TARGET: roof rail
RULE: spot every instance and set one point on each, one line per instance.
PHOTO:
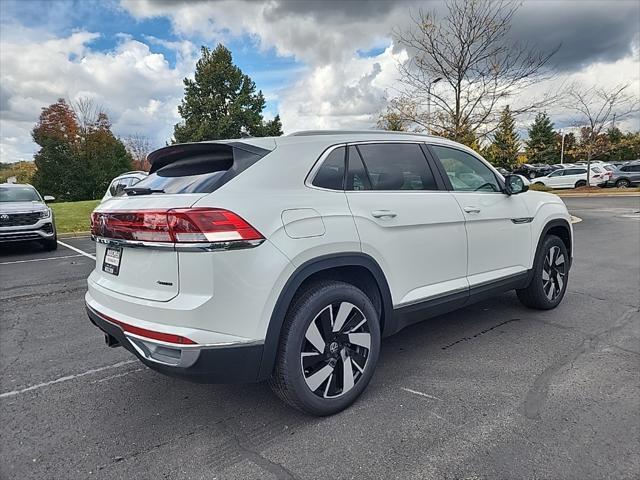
(308, 133)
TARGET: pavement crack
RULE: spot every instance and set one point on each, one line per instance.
(600, 299)
(252, 454)
(482, 332)
(537, 394)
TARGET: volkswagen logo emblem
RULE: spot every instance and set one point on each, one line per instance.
(4, 216)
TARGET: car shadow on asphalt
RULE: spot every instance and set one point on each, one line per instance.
(254, 416)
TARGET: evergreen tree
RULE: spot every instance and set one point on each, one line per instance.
(541, 146)
(506, 143)
(221, 102)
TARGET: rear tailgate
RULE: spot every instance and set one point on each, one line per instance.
(146, 273)
(180, 175)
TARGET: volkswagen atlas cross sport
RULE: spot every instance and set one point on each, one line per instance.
(287, 259)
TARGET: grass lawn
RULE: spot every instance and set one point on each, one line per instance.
(73, 216)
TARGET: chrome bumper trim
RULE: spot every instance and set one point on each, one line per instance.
(180, 247)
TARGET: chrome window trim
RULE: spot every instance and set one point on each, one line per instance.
(180, 247)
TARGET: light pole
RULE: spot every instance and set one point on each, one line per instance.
(433, 82)
(562, 147)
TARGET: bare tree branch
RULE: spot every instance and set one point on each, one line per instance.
(138, 146)
(595, 110)
(469, 49)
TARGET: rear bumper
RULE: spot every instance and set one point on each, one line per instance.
(211, 363)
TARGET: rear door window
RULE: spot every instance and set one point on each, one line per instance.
(357, 178)
(397, 166)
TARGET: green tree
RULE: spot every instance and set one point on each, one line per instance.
(503, 151)
(541, 145)
(77, 158)
(221, 102)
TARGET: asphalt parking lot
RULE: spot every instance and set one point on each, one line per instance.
(490, 391)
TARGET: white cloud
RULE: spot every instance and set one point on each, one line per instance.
(138, 88)
(347, 94)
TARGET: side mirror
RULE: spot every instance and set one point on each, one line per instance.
(49, 198)
(514, 184)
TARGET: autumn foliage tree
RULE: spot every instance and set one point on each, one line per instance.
(79, 155)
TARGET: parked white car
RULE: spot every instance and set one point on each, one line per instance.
(125, 180)
(288, 259)
(572, 177)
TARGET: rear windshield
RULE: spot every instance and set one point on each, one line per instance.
(202, 172)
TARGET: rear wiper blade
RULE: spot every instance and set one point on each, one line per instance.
(142, 190)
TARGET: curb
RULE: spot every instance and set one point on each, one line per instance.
(590, 195)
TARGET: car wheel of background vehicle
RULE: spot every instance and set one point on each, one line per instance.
(550, 276)
(623, 183)
(50, 244)
(581, 183)
(329, 348)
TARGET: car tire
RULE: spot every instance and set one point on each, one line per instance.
(550, 275)
(623, 183)
(321, 385)
(50, 244)
(581, 183)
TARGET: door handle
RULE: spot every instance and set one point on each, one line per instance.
(383, 214)
(472, 209)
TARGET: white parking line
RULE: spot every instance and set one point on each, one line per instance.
(64, 379)
(76, 250)
(39, 259)
(420, 393)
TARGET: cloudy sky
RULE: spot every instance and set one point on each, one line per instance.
(324, 64)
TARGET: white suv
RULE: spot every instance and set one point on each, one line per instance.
(289, 258)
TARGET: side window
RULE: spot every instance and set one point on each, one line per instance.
(634, 168)
(357, 178)
(331, 172)
(625, 169)
(397, 166)
(557, 173)
(466, 172)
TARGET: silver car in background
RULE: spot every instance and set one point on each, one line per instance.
(24, 216)
(627, 175)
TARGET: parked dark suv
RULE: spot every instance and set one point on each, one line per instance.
(24, 216)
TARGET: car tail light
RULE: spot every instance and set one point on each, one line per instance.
(181, 225)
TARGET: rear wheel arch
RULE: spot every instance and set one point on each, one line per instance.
(359, 269)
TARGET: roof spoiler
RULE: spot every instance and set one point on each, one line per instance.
(173, 153)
